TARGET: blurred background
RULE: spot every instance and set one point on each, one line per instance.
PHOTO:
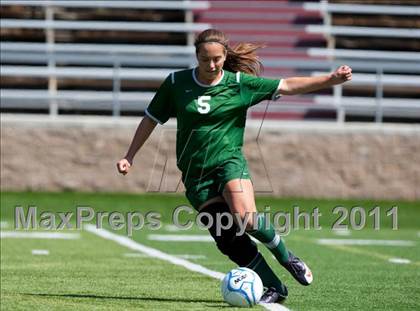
(109, 57)
(76, 76)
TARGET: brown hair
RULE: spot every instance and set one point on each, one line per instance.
(242, 57)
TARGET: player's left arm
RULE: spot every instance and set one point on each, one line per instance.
(301, 85)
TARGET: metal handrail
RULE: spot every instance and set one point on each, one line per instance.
(155, 5)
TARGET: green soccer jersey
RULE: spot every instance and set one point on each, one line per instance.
(210, 119)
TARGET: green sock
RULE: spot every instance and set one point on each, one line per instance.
(266, 235)
(269, 279)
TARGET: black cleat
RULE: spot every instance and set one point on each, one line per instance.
(271, 295)
(298, 269)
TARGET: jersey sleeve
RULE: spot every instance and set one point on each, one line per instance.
(256, 89)
(161, 108)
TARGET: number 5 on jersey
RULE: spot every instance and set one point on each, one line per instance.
(203, 104)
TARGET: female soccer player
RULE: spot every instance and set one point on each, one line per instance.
(210, 103)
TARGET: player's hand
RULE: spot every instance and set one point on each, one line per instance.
(341, 74)
(123, 166)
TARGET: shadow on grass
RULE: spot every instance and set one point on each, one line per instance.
(155, 299)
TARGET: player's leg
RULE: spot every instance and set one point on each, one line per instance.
(241, 249)
(239, 195)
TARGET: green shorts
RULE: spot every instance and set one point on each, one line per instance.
(211, 184)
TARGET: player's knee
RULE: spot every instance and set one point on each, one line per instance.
(219, 227)
(249, 221)
(239, 248)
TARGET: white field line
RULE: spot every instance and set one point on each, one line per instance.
(274, 307)
(172, 228)
(185, 238)
(188, 256)
(38, 235)
(185, 256)
(40, 252)
(399, 260)
(365, 242)
(127, 242)
(342, 232)
(180, 238)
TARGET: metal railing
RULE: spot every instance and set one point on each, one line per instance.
(381, 69)
(382, 65)
(50, 53)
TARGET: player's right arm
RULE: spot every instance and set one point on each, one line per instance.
(159, 111)
(145, 128)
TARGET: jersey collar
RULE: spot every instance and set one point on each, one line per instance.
(206, 85)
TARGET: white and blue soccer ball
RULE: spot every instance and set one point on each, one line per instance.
(242, 287)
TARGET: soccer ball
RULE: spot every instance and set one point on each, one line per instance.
(242, 287)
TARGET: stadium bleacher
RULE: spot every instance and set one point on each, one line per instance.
(380, 40)
(92, 55)
(109, 57)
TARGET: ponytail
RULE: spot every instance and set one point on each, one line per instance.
(243, 58)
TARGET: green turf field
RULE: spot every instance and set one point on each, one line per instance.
(93, 273)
